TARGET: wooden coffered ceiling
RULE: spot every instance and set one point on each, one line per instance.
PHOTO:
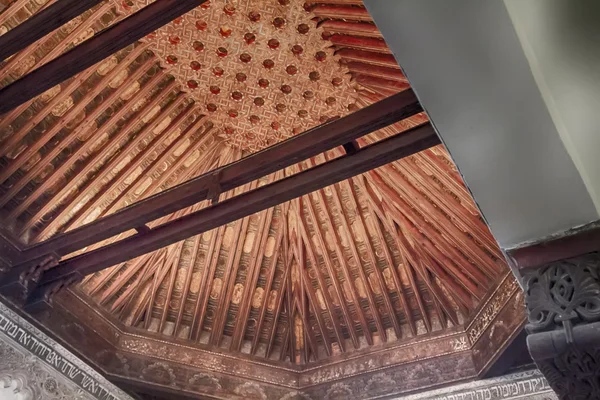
(396, 255)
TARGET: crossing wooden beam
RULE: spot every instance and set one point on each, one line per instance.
(248, 169)
(41, 24)
(93, 50)
(365, 159)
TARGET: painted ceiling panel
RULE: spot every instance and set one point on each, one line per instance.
(393, 254)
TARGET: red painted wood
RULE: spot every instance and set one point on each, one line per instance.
(373, 156)
(41, 24)
(93, 50)
(279, 156)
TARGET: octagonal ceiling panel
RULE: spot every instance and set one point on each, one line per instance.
(397, 253)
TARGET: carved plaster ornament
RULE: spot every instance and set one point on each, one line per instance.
(204, 380)
(15, 387)
(251, 390)
(159, 372)
(563, 293)
(296, 396)
(339, 391)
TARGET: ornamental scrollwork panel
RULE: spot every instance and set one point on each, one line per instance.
(563, 293)
(574, 373)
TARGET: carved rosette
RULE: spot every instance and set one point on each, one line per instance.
(563, 299)
(565, 292)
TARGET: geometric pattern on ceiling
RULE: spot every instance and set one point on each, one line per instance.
(260, 68)
(392, 254)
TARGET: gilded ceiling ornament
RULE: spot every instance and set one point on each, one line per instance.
(251, 64)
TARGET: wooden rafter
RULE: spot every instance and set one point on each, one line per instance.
(13, 140)
(234, 253)
(93, 50)
(56, 50)
(253, 201)
(314, 304)
(353, 198)
(333, 276)
(72, 113)
(60, 170)
(282, 155)
(324, 288)
(272, 268)
(257, 254)
(42, 23)
(176, 122)
(378, 214)
(90, 186)
(277, 312)
(336, 195)
(105, 150)
(450, 255)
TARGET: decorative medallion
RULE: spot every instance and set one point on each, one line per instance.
(251, 64)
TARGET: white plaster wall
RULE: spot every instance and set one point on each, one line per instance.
(561, 40)
(467, 66)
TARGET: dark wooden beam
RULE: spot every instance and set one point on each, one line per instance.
(272, 159)
(367, 158)
(41, 24)
(93, 50)
(572, 243)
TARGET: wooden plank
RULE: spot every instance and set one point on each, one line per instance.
(341, 12)
(93, 50)
(56, 50)
(584, 239)
(59, 145)
(242, 205)
(264, 304)
(336, 194)
(353, 198)
(104, 150)
(51, 179)
(41, 24)
(364, 29)
(256, 259)
(377, 215)
(282, 155)
(331, 270)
